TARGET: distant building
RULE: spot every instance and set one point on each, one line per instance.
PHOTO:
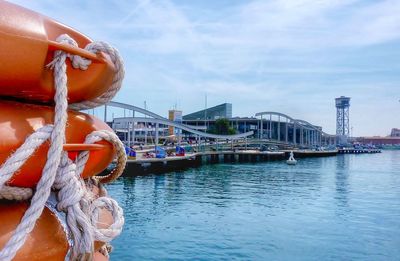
(379, 140)
(220, 111)
(175, 116)
(395, 132)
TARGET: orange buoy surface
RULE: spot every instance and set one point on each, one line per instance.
(47, 241)
(27, 45)
(19, 120)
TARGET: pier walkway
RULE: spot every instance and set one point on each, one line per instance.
(141, 166)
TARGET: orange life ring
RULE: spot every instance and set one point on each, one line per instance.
(27, 45)
(19, 120)
(48, 240)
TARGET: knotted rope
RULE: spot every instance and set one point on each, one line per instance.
(97, 136)
(83, 63)
(61, 173)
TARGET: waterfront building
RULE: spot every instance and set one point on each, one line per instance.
(392, 139)
(379, 140)
(272, 127)
(395, 132)
(217, 112)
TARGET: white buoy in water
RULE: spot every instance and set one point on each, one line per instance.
(291, 160)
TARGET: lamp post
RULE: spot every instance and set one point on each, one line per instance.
(205, 114)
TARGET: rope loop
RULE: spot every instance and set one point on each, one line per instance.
(109, 233)
(111, 137)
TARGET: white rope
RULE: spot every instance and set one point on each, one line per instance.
(69, 196)
(111, 137)
(113, 230)
(21, 155)
(83, 63)
(15, 193)
(16, 160)
(61, 173)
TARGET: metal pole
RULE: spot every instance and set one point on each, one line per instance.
(316, 138)
(105, 112)
(145, 134)
(279, 128)
(294, 133)
(205, 114)
(156, 141)
(133, 128)
(306, 136)
(270, 126)
(301, 136)
(287, 131)
(129, 134)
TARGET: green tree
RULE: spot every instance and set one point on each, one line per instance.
(222, 127)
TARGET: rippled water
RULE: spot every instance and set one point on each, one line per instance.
(345, 207)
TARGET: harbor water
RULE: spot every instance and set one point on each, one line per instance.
(336, 208)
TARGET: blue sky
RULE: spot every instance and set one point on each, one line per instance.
(293, 56)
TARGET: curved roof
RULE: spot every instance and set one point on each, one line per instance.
(296, 121)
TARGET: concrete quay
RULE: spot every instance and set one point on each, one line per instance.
(358, 151)
(143, 166)
(311, 153)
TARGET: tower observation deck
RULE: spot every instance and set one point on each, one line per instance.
(342, 116)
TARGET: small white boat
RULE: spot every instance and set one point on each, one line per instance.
(291, 160)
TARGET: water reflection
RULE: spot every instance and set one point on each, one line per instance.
(341, 179)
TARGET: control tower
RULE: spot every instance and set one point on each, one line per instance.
(342, 116)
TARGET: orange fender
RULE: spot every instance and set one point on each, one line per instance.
(19, 120)
(27, 45)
